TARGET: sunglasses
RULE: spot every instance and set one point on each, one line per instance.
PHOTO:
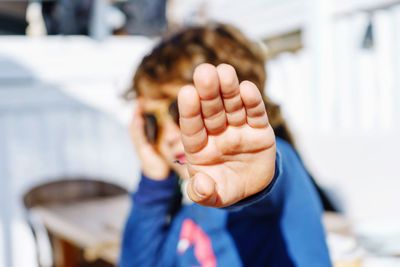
(153, 121)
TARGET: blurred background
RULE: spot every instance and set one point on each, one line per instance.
(333, 66)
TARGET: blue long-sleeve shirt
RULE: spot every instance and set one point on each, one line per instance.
(280, 226)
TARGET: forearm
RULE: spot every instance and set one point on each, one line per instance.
(291, 180)
(147, 225)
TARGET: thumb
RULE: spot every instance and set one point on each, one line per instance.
(202, 190)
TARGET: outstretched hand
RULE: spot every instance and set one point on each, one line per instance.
(229, 144)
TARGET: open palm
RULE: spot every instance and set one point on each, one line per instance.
(229, 144)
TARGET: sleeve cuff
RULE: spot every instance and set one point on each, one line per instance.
(264, 193)
(153, 192)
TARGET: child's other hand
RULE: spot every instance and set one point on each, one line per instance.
(152, 164)
(229, 144)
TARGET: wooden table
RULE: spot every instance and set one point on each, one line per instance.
(94, 225)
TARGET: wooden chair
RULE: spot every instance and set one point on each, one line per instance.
(64, 191)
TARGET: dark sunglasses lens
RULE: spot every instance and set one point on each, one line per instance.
(150, 128)
(174, 112)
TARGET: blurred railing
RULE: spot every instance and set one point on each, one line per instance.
(342, 99)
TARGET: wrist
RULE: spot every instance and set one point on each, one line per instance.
(152, 192)
(156, 173)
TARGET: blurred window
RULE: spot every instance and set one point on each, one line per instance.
(12, 17)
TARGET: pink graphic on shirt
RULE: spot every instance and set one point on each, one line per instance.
(193, 235)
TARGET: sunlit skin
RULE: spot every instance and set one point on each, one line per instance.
(224, 133)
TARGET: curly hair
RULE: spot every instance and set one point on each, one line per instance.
(174, 59)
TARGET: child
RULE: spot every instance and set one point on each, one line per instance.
(256, 205)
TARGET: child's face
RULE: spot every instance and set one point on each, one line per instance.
(168, 141)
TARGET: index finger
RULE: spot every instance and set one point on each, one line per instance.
(194, 134)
